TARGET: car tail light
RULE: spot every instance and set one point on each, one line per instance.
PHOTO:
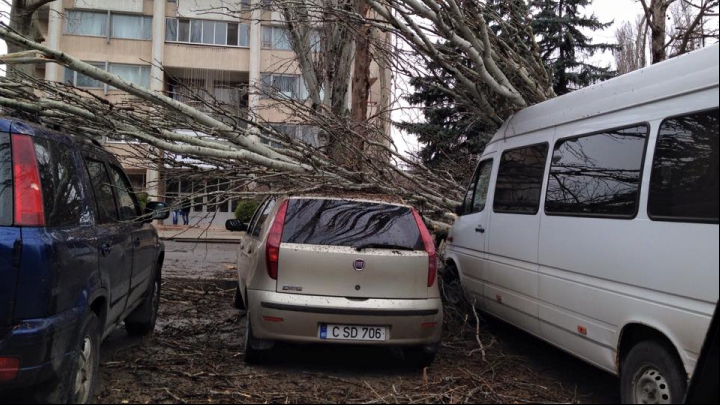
(29, 209)
(9, 368)
(272, 251)
(429, 248)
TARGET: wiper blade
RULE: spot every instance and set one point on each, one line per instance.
(383, 246)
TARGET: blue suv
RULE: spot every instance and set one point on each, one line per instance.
(77, 258)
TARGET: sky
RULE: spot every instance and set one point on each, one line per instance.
(618, 11)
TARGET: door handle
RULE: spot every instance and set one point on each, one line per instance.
(137, 242)
(480, 229)
(106, 249)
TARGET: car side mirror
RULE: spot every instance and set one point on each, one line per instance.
(235, 225)
(460, 210)
(156, 211)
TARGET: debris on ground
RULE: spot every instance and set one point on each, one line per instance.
(196, 356)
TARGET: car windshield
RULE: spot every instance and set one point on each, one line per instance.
(350, 223)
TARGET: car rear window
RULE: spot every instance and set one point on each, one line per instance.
(6, 181)
(350, 223)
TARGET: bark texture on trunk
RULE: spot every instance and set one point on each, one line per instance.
(23, 20)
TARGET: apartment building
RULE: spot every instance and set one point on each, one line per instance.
(213, 48)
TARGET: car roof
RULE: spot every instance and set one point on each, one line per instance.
(17, 126)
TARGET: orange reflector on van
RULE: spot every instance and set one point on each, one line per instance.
(9, 368)
(498, 297)
(429, 325)
(582, 330)
(273, 319)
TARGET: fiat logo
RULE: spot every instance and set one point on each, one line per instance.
(359, 265)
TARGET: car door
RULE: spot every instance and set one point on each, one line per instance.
(144, 238)
(469, 233)
(114, 239)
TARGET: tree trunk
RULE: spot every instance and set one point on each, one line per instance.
(361, 75)
(659, 10)
(23, 20)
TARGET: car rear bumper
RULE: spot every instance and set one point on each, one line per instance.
(297, 318)
(41, 345)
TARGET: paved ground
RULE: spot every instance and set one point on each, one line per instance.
(200, 260)
(198, 234)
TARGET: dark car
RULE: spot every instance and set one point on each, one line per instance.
(77, 258)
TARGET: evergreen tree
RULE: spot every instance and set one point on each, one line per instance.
(451, 134)
(564, 47)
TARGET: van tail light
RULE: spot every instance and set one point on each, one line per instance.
(429, 248)
(272, 250)
(29, 209)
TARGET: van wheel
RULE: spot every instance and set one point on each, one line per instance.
(78, 385)
(252, 355)
(652, 374)
(142, 321)
(238, 302)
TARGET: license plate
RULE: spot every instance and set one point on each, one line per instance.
(353, 332)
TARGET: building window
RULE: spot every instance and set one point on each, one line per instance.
(87, 23)
(136, 74)
(131, 26)
(122, 26)
(684, 182)
(82, 81)
(597, 175)
(207, 32)
(276, 38)
(303, 133)
(287, 86)
(520, 179)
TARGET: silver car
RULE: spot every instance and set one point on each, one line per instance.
(339, 271)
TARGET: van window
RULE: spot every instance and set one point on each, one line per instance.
(684, 181)
(129, 209)
(6, 181)
(350, 223)
(60, 181)
(107, 210)
(597, 175)
(481, 187)
(519, 181)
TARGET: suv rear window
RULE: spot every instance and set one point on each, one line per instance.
(350, 223)
(6, 181)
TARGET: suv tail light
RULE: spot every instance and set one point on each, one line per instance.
(272, 250)
(29, 209)
(429, 248)
(9, 368)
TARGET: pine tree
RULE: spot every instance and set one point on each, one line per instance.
(451, 135)
(564, 47)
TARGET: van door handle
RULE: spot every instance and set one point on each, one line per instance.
(480, 229)
(106, 249)
(137, 242)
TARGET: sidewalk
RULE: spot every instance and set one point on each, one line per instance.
(201, 234)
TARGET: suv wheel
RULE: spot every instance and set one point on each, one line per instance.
(78, 384)
(142, 321)
(652, 374)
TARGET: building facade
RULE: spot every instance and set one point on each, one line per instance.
(217, 49)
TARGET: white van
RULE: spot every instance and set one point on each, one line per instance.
(592, 223)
